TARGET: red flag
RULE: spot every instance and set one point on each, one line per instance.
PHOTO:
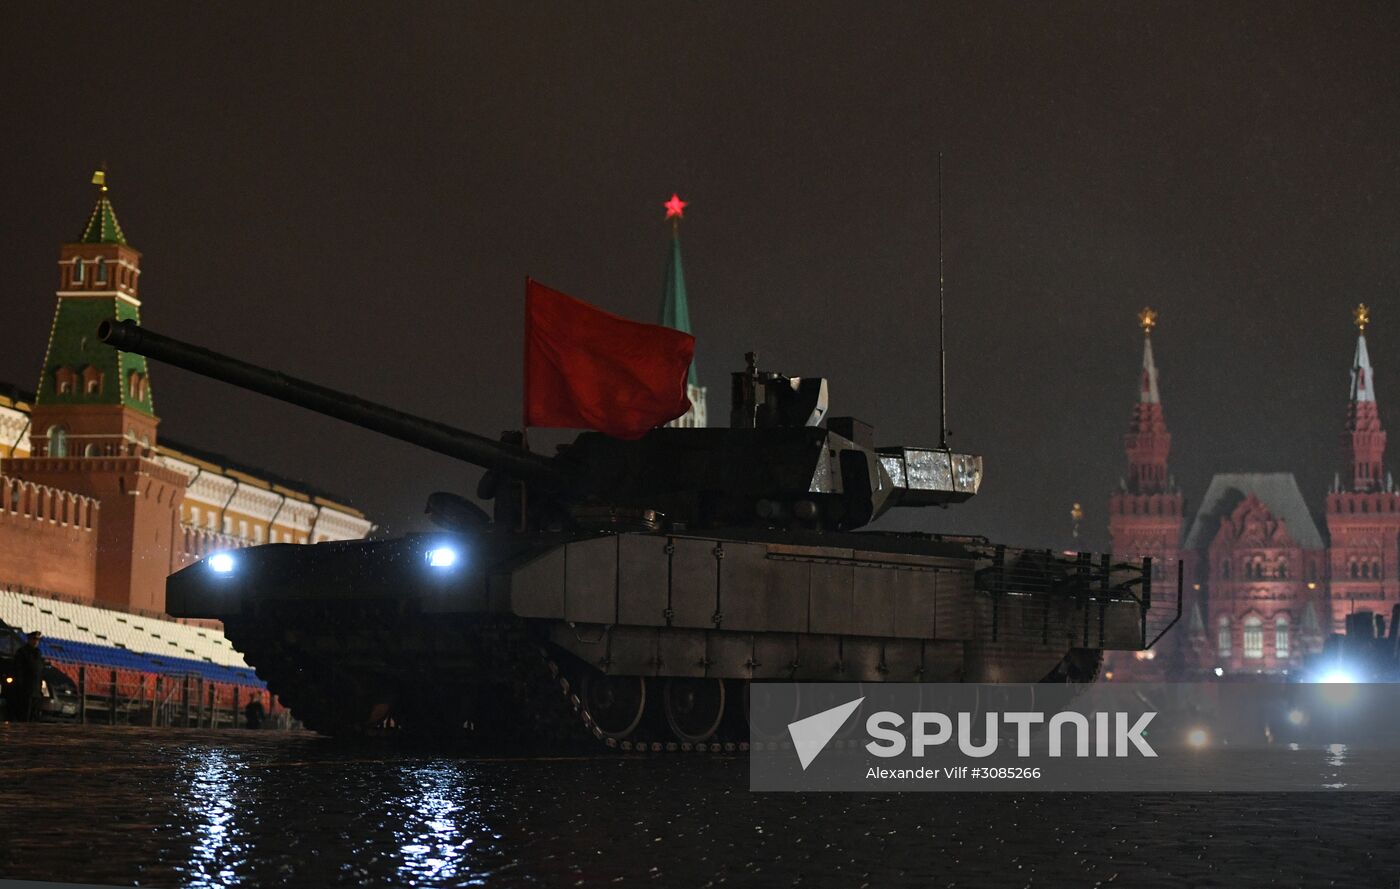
(588, 369)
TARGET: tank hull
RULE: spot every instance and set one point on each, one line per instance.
(640, 639)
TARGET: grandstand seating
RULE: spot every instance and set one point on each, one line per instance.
(107, 638)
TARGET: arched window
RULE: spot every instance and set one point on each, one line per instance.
(1222, 637)
(77, 271)
(1282, 569)
(90, 450)
(1365, 569)
(1376, 569)
(99, 274)
(1353, 569)
(1253, 637)
(1281, 636)
(58, 441)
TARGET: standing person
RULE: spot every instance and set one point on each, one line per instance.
(254, 712)
(29, 674)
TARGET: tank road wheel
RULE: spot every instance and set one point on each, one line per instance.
(614, 703)
(694, 707)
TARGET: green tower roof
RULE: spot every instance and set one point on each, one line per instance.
(675, 311)
(102, 226)
(79, 370)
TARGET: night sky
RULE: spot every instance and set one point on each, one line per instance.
(356, 197)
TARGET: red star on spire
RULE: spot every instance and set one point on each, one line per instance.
(675, 207)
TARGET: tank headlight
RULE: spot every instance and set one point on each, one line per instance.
(221, 563)
(442, 557)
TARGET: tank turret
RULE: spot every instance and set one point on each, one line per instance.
(782, 463)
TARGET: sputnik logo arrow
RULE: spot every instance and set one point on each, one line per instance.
(811, 735)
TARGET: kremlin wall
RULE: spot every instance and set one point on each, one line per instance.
(1264, 581)
(96, 510)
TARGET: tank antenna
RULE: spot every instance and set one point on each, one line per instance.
(942, 352)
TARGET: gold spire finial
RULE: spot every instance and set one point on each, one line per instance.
(1362, 316)
(1147, 319)
(99, 178)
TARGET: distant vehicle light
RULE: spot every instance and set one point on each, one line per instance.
(1337, 676)
(442, 557)
(221, 563)
(1219, 671)
(1197, 738)
(1297, 717)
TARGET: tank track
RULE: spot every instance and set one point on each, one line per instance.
(350, 677)
(374, 689)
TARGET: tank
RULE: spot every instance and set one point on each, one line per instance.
(634, 595)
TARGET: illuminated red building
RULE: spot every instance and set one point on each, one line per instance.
(1262, 585)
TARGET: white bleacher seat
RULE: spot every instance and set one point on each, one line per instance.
(116, 629)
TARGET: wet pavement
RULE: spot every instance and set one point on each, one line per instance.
(167, 808)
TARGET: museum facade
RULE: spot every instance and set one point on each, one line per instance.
(1264, 582)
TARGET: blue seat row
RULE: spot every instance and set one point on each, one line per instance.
(124, 659)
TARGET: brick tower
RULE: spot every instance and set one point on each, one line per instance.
(93, 421)
(1145, 516)
(1363, 508)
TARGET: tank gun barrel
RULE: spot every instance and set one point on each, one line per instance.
(128, 336)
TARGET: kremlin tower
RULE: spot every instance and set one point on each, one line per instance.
(94, 422)
(1363, 508)
(1145, 516)
(675, 313)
